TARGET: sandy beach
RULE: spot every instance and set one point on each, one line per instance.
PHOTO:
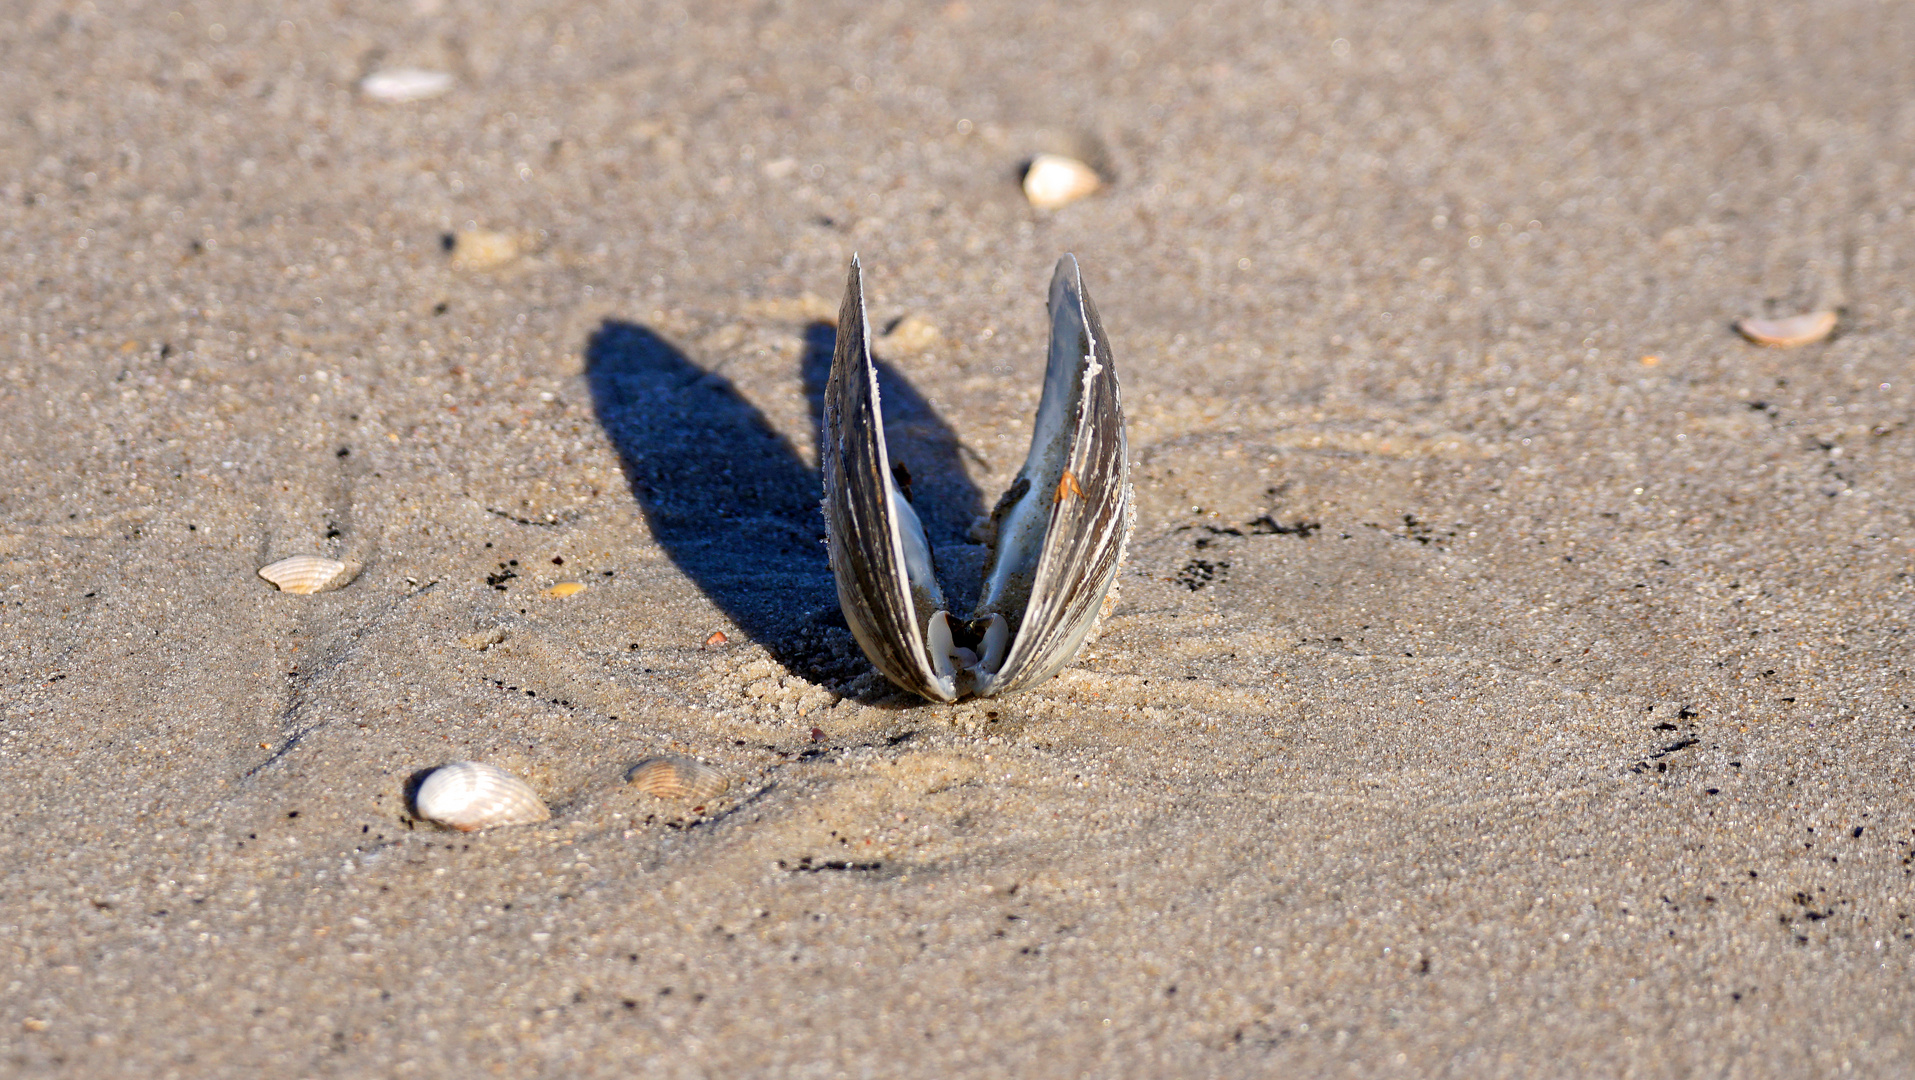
(1511, 675)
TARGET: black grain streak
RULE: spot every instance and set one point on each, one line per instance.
(557, 521)
(806, 866)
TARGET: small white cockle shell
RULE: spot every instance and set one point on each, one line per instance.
(671, 776)
(1054, 180)
(1790, 332)
(471, 795)
(303, 574)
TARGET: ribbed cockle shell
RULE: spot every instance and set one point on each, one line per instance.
(303, 574)
(471, 795)
(671, 776)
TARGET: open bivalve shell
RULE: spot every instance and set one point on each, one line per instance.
(471, 795)
(303, 574)
(1060, 531)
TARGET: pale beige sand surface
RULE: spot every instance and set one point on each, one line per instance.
(1512, 672)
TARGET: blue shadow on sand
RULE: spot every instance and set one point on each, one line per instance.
(729, 499)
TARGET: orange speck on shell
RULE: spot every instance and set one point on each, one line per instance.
(1067, 486)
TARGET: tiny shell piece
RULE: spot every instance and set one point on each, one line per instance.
(716, 640)
(483, 249)
(481, 640)
(401, 85)
(303, 574)
(1054, 180)
(672, 776)
(1790, 332)
(564, 589)
(471, 795)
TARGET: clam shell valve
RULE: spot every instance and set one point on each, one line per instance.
(303, 574)
(672, 776)
(1789, 333)
(471, 795)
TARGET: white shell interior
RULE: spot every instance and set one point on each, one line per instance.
(918, 569)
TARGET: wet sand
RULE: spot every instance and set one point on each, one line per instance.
(1511, 675)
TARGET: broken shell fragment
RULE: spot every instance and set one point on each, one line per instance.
(483, 639)
(401, 85)
(471, 795)
(564, 589)
(1790, 332)
(303, 574)
(483, 249)
(671, 776)
(1052, 180)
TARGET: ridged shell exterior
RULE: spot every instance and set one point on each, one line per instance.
(673, 777)
(471, 795)
(303, 574)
